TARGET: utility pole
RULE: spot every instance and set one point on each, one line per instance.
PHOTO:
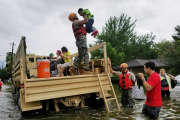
(12, 58)
(2, 68)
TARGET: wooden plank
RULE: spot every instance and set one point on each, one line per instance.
(57, 82)
(65, 93)
(17, 78)
(56, 107)
(16, 68)
(114, 93)
(63, 87)
(29, 106)
(100, 84)
(54, 82)
(61, 78)
(105, 57)
(17, 73)
(47, 105)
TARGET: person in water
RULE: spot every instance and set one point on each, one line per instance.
(127, 79)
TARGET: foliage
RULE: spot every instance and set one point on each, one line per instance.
(176, 36)
(9, 63)
(170, 52)
(9, 83)
(4, 74)
(123, 44)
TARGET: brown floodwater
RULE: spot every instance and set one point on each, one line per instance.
(170, 110)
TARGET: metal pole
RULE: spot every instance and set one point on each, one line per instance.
(12, 59)
(2, 68)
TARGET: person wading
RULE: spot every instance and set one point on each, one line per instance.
(127, 79)
(153, 101)
(166, 83)
(81, 43)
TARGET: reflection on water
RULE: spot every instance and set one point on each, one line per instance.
(170, 110)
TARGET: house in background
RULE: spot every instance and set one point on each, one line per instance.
(137, 65)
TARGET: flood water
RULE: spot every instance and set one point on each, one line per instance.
(170, 110)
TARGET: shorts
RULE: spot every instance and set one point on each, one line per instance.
(65, 65)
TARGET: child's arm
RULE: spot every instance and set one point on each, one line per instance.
(85, 17)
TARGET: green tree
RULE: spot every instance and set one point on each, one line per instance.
(9, 62)
(170, 52)
(163, 48)
(176, 36)
(4, 74)
(123, 44)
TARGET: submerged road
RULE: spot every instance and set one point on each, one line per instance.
(170, 109)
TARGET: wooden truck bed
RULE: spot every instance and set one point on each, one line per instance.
(54, 87)
(29, 91)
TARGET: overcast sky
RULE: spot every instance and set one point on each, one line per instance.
(47, 28)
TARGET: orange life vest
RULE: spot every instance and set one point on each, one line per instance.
(125, 82)
(79, 31)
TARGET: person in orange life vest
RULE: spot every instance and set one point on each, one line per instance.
(127, 79)
(153, 101)
(81, 43)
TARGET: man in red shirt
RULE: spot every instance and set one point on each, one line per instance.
(153, 102)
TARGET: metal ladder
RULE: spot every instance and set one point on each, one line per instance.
(104, 97)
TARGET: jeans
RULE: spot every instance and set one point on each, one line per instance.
(126, 98)
(89, 25)
(165, 93)
(153, 112)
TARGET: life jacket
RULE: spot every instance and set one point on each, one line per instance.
(79, 31)
(125, 82)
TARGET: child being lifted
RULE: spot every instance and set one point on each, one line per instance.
(89, 28)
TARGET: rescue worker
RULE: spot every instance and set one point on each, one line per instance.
(127, 79)
(81, 43)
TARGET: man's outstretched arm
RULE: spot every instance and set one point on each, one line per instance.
(82, 22)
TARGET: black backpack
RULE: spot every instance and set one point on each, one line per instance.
(173, 83)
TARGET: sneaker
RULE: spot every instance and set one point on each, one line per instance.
(72, 71)
(95, 33)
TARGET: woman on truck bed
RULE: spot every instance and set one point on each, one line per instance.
(55, 62)
(67, 61)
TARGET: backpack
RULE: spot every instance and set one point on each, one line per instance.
(173, 83)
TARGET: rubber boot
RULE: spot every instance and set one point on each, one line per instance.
(72, 71)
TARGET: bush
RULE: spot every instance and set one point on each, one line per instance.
(9, 83)
(115, 80)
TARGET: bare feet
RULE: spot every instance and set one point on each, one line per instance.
(58, 75)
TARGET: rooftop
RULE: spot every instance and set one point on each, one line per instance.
(141, 62)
